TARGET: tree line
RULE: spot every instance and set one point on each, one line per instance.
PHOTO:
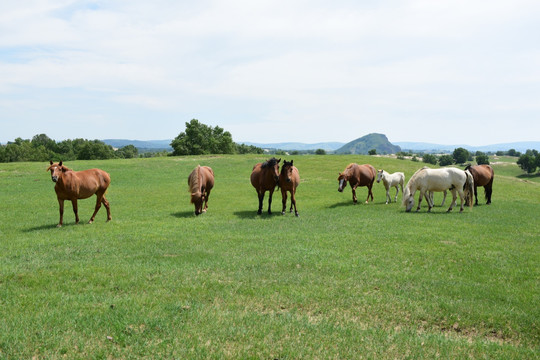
(198, 139)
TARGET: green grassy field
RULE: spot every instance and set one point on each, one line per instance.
(341, 281)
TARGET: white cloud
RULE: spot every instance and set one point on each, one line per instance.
(240, 64)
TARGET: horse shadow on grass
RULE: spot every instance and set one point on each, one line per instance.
(40, 227)
(252, 214)
(183, 214)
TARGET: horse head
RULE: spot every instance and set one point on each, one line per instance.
(286, 170)
(56, 170)
(380, 175)
(197, 199)
(342, 178)
(408, 199)
(273, 166)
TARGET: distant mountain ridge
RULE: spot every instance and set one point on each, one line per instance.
(521, 146)
(140, 144)
(363, 145)
(327, 146)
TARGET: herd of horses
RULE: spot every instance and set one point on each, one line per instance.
(267, 176)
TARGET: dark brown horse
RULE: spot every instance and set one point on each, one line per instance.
(358, 175)
(201, 182)
(483, 176)
(264, 177)
(288, 181)
(73, 185)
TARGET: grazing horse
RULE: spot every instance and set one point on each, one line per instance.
(358, 175)
(201, 182)
(389, 181)
(264, 177)
(483, 176)
(73, 185)
(288, 181)
(426, 180)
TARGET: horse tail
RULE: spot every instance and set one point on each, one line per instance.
(469, 189)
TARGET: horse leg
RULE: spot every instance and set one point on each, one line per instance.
(261, 198)
(462, 199)
(61, 203)
(75, 210)
(388, 195)
(429, 198)
(270, 202)
(354, 199)
(454, 198)
(107, 207)
(283, 200)
(293, 201)
(422, 194)
(207, 195)
(475, 194)
(370, 193)
(488, 190)
(444, 198)
(98, 205)
(397, 192)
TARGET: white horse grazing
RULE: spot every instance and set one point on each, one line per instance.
(426, 180)
(391, 180)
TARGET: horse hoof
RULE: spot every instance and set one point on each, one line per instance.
(296, 214)
(259, 212)
(59, 225)
(283, 213)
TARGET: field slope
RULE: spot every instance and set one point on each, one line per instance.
(341, 281)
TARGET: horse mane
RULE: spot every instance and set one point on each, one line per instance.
(269, 163)
(194, 181)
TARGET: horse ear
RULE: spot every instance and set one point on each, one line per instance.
(279, 160)
(60, 163)
(292, 162)
(50, 162)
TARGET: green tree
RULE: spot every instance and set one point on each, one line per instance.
(445, 160)
(320, 152)
(527, 162)
(199, 139)
(430, 159)
(127, 152)
(460, 155)
(372, 152)
(481, 158)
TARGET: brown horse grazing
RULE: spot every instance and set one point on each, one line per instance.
(264, 177)
(288, 181)
(73, 185)
(483, 176)
(201, 182)
(358, 175)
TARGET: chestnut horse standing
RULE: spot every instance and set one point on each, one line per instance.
(483, 176)
(201, 182)
(288, 181)
(73, 185)
(264, 177)
(358, 175)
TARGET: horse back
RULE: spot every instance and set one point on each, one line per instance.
(482, 174)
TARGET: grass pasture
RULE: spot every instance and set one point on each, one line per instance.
(341, 281)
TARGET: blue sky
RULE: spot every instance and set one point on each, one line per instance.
(449, 72)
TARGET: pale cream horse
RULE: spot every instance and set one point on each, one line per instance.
(389, 181)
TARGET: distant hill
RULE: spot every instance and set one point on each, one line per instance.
(327, 146)
(362, 145)
(429, 147)
(149, 145)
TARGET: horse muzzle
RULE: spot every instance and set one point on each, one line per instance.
(54, 178)
(340, 189)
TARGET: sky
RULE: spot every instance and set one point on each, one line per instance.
(445, 71)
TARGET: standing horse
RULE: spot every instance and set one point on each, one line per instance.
(201, 182)
(288, 181)
(427, 180)
(264, 177)
(483, 176)
(358, 175)
(73, 185)
(389, 181)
